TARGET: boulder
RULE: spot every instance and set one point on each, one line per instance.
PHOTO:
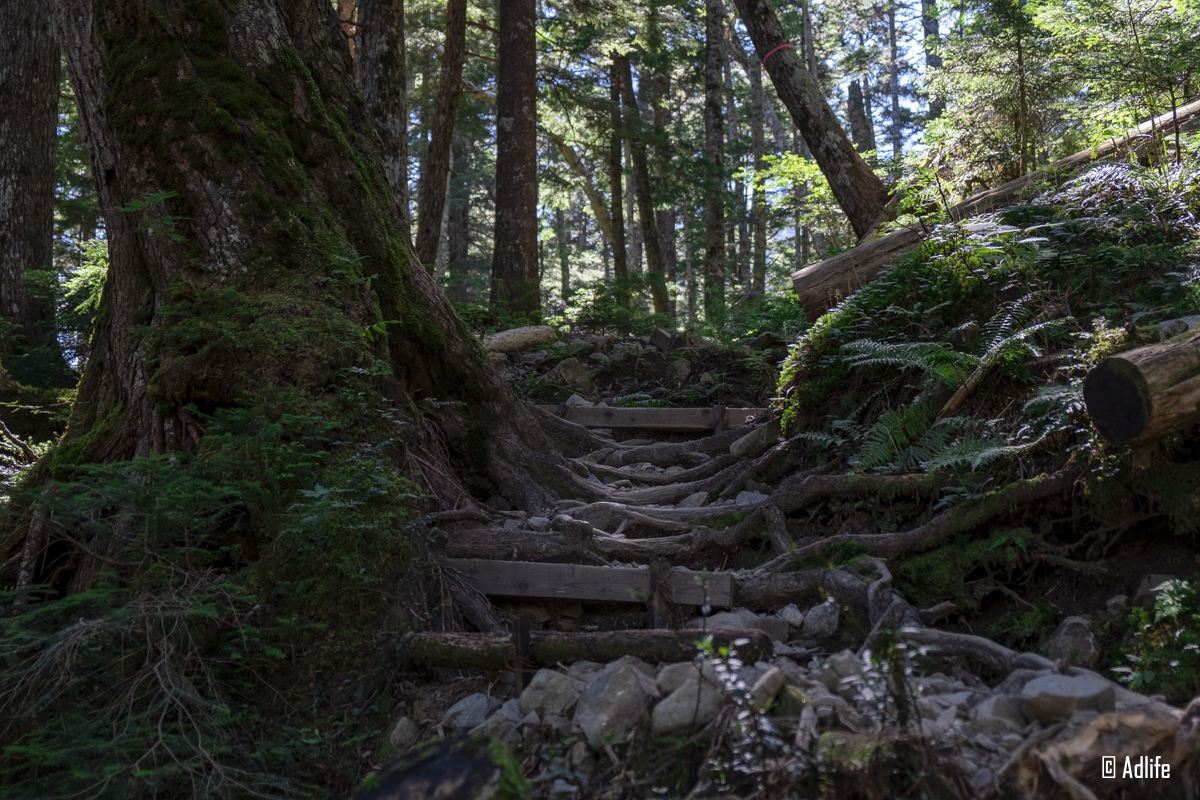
(502, 724)
(1176, 327)
(757, 441)
(613, 701)
(469, 712)
(549, 692)
(512, 341)
(672, 676)
(719, 621)
(570, 373)
(1052, 698)
(404, 735)
(1074, 641)
(499, 360)
(662, 340)
(678, 371)
(767, 686)
(773, 627)
(998, 714)
(821, 621)
(695, 703)
(694, 500)
(459, 767)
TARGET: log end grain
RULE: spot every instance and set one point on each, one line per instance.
(1118, 400)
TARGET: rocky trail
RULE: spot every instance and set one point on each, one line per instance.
(679, 635)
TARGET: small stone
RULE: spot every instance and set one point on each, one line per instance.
(750, 498)
(983, 778)
(549, 692)
(767, 686)
(792, 615)
(575, 401)
(774, 627)
(678, 371)
(706, 379)
(570, 373)
(1052, 698)
(1074, 641)
(469, 712)
(560, 788)
(613, 701)
(540, 524)
(723, 620)
(672, 676)
(499, 360)
(697, 702)
(794, 673)
(513, 524)
(404, 735)
(998, 714)
(821, 622)
(502, 724)
(1117, 606)
(792, 702)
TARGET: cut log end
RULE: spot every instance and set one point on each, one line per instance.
(1118, 401)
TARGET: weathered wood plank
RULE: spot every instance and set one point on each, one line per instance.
(661, 419)
(597, 584)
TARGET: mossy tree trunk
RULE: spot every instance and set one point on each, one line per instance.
(279, 249)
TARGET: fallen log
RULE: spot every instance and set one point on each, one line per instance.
(485, 651)
(1138, 396)
(822, 285)
(517, 339)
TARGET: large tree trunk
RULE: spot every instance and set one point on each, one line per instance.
(645, 202)
(430, 202)
(856, 188)
(515, 286)
(665, 217)
(29, 73)
(595, 199)
(897, 130)
(758, 209)
(932, 44)
(380, 64)
(615, 169)
(860, 127)
(286, 242)
(714, 153)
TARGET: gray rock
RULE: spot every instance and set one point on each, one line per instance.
(965, 335)
(570, 373)
(695, 500)
(720, 621)
(503, 723)
(821, 622)
(613, 701)
(513, 524)
(750, 498)
(766, 341)
(679, 371)
(773, 627)
(403, 736)
(575, 401)
(1150, 588)
(560, 788)
(998, 714)
(767, 686)
(672, 676)
(1174, 327)
(793, 672)
(469, 712)
(1074, 641)
(1017, 679)
(1117, 606)
(1032, 661)
(757, 441)
(662, 340)
(549, 692)
(706, 379)
(1052, 698)
(695, 703)
(792, 615)
(540, 524)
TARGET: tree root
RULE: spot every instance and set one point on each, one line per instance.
(662, 454)
(806, 488)
(986, 651)
(705, 470)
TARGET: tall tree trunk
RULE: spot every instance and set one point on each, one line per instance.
(459, 237)
(645, 202)
(665, 217)
(380, 65)
(616, 212)
(894, 87)
(800, 195)
(515, 259)
(443, 248)
(714, 156)
(932, 43)
(287, 242)
(432, 190)
(29, 76)
(857, 113)
(595, 199)
(634, 236)
(737, 241)
(856, 188)
(758, 208)
(561, 241)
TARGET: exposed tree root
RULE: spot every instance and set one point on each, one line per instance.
(806, 488)
(770, 592)
(662, 454)
(705, 470)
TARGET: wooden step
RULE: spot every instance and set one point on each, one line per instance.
(716, 418)
(593, 584)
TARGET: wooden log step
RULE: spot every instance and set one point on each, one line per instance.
(658, 419)
(485, 651)
(595, 584)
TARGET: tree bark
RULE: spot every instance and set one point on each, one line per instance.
(615, 169)
(665, 222)
(431, 199)
(515, 286)
(595, 199)
(897, 131)
(1141, 395)
(932, 44)
(29, 75)
(562, 244)
(645, 202)
(380, 65)
(758, 208)
(286, 242)
(859, 126)
(714, 153)
(858, 191)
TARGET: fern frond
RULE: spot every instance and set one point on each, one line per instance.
(819, 438)
(638, 400)
(939, 360)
